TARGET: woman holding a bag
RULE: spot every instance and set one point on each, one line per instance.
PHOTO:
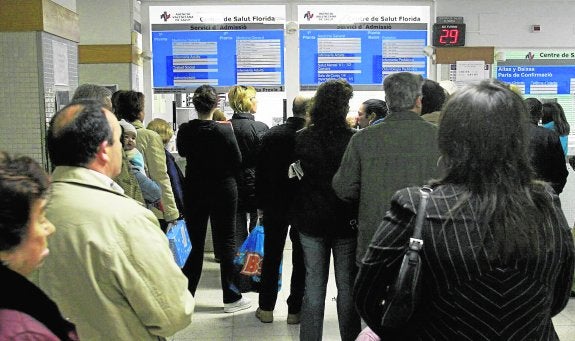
(497, 252)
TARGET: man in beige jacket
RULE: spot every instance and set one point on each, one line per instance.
(110, 269)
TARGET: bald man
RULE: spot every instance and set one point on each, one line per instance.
(110, 271)
(274, 195)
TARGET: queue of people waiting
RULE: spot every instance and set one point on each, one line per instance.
(498, 254)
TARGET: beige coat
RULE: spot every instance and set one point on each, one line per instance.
(110, 269)
(149, 143)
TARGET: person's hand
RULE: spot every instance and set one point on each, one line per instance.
(171, 224)
(260, 213)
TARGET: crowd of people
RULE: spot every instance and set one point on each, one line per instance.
(498, 254)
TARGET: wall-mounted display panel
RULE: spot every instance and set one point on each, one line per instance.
(361, 44)
(541, 73)
(217, 45)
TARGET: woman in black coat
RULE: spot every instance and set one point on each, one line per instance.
(212, 160)
(248, 133)
(497, 252)
(326, 224)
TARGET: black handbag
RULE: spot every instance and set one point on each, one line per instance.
(403, 294)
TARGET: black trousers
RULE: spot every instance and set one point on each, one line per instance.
(276, 229)
(217, 202)
(243, 227)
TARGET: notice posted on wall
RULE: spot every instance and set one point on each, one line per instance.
(470, 71)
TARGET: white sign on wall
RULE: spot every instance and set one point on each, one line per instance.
(60, 61)
(470, 71)
(269, 14)
(344, 14)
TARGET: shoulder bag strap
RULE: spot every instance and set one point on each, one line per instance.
(415, 242)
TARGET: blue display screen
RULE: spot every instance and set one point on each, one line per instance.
(362, 57)
(538, 79)
(188, 59)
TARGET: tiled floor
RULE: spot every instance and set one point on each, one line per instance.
(211, 323)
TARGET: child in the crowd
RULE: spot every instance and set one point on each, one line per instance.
(150, 189)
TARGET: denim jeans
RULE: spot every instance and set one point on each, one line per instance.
(316, 253)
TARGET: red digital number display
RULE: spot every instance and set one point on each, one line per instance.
(449, 35)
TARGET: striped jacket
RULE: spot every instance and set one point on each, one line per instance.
(467, 295)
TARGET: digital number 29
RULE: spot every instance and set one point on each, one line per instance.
(449, 36)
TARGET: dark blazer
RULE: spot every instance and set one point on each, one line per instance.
(547, 157)
(273, 187)
(316, 210)
(466, 293)
(248, 133)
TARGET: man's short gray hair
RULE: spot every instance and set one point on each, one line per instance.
(94, 92)
(401, 90)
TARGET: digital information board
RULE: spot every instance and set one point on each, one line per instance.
(216, 49)
(545, 74)
(219, 58)
(357, 44)
(545, 78)
(362, 57)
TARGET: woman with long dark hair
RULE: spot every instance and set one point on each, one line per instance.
(327, 225)
(554, 118)
(497, 251)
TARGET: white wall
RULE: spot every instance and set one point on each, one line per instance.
(106, 74)
(69, 4)
(105, 21)
(507, 23)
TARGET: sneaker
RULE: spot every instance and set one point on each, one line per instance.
(294, 318)
(241, 304)
(265, 316)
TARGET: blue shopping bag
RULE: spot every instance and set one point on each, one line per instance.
(249, 259)
(180, 243)
(251, 254)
